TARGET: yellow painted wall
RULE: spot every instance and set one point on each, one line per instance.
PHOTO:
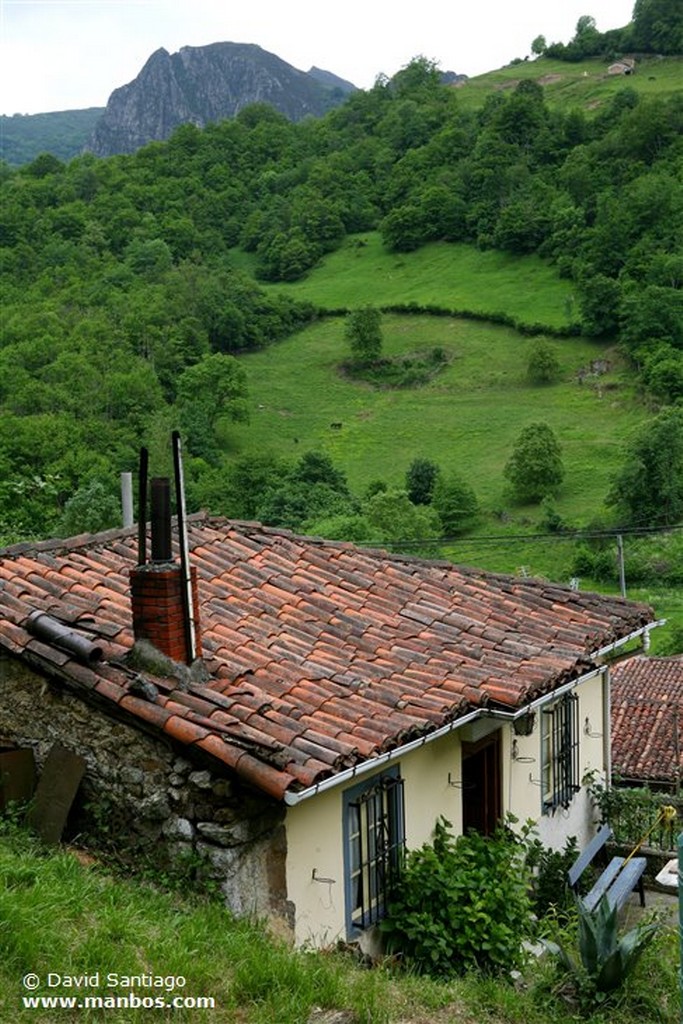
(315, 827)
(315, 836)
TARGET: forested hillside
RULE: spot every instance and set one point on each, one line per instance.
(62, 133)
(124, 314)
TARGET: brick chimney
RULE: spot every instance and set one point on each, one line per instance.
(159, 591)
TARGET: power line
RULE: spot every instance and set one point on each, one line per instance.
(556, 536)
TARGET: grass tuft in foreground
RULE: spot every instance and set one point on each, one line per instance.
(57, 916)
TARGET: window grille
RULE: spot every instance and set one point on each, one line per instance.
(560, 752)
(375, 839)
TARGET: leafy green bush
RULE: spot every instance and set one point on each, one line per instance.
(551, 891)
(456, 504)
(421, 477)
(598, 562)
(543, 366)
(535, 467)
(632, 812)
(461, 903)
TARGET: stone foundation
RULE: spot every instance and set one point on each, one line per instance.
(144, 800)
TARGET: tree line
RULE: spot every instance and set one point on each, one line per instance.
(656, 27)
(124, 309)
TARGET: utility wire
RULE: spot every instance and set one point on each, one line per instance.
(558, 536)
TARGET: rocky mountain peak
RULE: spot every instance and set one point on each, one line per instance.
(200, 84)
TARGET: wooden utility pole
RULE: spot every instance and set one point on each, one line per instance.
(622, 571)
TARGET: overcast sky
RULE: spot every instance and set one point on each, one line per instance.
(71, 54)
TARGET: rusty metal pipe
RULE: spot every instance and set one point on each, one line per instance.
(57, 634)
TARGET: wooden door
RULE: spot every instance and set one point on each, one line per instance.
(481, 787)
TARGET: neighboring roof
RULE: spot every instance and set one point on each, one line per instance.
(647, 711)
(321, 655)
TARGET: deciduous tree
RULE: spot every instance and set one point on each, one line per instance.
(364, 334)
(455, 503)
(648, 491)
(535, 467)
(421, 478)
(543, 366)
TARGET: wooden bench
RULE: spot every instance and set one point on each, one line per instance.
(617, 881)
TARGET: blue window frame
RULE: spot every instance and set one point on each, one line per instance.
(374, 840)
(560, 753)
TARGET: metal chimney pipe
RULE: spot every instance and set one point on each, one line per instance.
(127, 499)
(142, 507)
(162, 550)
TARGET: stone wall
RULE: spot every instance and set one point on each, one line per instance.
(143, 799)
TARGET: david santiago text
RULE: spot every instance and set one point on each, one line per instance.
(112, 980)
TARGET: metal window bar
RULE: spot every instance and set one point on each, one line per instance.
(377, 842)
(562, 722)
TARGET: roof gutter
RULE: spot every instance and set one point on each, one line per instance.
(644, 631)
(292, 799)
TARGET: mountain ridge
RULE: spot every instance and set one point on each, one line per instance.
(201, 84)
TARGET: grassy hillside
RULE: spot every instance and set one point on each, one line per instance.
(584, 85)
(61, 918)
(452, 276)
(466, 419)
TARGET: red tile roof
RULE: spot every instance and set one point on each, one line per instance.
(320, 655)
(647, 712)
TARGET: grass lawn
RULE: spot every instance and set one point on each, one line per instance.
(585, 86)
(459, 277)
(59, 918)
(469, 416)
(466, 419)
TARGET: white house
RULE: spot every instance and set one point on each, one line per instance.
(343, 699)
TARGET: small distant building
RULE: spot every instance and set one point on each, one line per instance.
(625, 66)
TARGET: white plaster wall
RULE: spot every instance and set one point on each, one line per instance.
(314, 843)
(521, 783)
(576, 820)
(579, 819)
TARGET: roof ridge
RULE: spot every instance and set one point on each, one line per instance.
(81, 540)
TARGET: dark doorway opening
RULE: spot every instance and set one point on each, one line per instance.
(481, 796)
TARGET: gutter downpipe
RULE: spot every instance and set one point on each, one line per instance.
(292, 799)
(607, 733)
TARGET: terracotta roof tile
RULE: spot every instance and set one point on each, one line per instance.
(184, 731)
(647, 712)
(321, 654)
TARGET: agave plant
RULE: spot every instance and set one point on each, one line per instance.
(606, 958)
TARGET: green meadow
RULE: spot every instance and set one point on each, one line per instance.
(585, 86)
(452, 276)
(466, 418)
(64, 920)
